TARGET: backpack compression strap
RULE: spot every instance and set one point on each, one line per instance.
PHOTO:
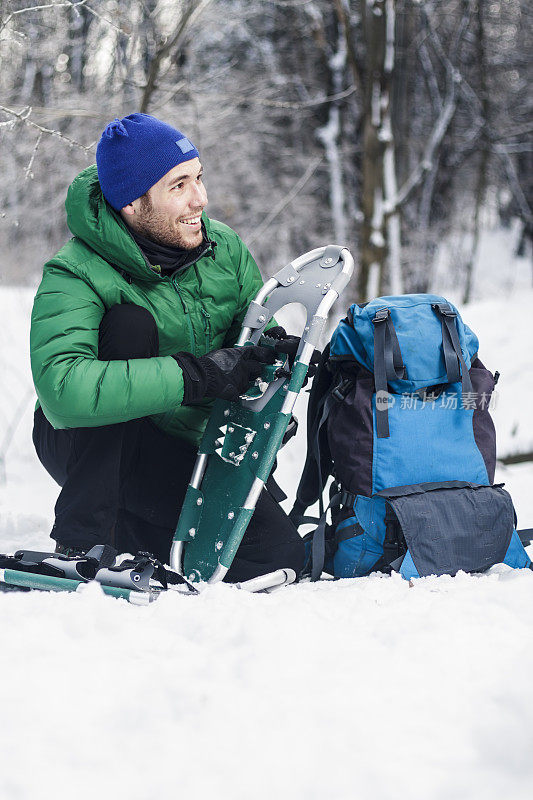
(388, 366)
(318, 462)
(323, 467)
(526, 536)
(456, 368)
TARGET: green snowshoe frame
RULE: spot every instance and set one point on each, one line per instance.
(242, 438)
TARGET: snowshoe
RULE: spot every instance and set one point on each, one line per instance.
(242, 438)
(138, 580)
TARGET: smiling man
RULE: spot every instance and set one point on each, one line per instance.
(133, 333)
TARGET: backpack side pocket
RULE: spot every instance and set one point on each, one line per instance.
(452, 525)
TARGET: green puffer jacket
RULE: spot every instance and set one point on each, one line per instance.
(200, 309)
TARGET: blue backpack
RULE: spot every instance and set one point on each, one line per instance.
(399, 416)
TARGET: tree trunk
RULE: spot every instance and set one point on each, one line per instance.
(379, 169)
(481, 180)
(329, 135)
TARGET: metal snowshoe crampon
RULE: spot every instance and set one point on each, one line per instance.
(242, 437)
(138, 580)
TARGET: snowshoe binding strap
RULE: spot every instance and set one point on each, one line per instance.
(140, 573)
(77, 567)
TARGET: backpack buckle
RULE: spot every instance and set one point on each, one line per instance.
(342, 389)
(348, 499)
(381, 315)
(444, 309)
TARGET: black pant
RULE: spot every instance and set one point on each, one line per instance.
(124, 484)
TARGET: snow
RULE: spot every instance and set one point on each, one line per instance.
(339, 690)
(365, 688)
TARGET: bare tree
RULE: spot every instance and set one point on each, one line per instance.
(376, 123)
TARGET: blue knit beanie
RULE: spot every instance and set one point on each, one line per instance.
(134, 153)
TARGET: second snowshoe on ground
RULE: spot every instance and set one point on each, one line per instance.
(139, 580)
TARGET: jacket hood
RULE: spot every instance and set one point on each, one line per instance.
(91, 219)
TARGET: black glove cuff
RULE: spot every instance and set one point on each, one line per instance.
(194, 378)
(211, 374)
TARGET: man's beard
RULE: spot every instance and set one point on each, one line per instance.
(157, 227)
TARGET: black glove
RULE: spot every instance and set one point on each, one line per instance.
(225, 373)
(285, 343)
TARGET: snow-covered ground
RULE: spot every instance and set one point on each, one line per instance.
(367, 688)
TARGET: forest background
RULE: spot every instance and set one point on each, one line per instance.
(389, 126)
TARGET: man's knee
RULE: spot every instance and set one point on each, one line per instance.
(127, 331)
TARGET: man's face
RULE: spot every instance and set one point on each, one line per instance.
(170, 212)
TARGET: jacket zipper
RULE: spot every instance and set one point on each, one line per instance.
(206, 315)
(207, 328)
(187, 315)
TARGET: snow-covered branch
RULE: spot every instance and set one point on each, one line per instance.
(344, 22)
(472, 99)
(426, 163)
(27, 172)
(329, 136)
(516, 188)
(430, 78)
(62, 4)
(23, 116)
(297, 188)
(43, 7)
(251, 99)
(169, 45)
(446, 113)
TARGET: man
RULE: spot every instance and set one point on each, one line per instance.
(132, 336)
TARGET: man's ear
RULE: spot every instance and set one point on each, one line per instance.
(128, 210)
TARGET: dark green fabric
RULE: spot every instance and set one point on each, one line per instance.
(201, 309)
